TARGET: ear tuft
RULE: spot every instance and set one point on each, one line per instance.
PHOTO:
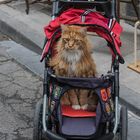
(63, 27)
(83, 30)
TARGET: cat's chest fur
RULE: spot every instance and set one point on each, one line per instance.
(72, 68)
(72, 58)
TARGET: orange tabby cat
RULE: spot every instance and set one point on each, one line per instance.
(73, 59)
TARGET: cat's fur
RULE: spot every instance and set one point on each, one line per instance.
(73, 59)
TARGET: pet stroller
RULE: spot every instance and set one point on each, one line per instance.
(55, 122)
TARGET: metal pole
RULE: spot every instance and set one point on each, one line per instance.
(44, 100)
(114, 9)
(116, 115)
(116, 90)
(55, 9)
(135, 42)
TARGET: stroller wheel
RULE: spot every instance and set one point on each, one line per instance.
(37, 122)
(123, 126)
(123, 123)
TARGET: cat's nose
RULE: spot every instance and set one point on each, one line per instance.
(71, 43)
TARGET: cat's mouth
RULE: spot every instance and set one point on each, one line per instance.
(70, 48)
(74, 48)
(73, 51)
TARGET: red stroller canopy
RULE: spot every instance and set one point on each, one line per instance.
(109, 29)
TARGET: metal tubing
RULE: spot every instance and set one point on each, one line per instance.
(135, 42)
(118, 10)
(27, 7)
(114, 9)
(116, 84)
(44, 100)
(55, 9)
(44, 113)
(116, 115)
(116, 90)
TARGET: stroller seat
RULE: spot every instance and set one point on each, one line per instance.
(70, 112)
(77, 122)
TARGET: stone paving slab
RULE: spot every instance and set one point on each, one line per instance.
(25, 56)
(133, 126)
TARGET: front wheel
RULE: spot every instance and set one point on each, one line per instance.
(123, 125)
(37, 122)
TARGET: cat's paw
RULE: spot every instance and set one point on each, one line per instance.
(76, 107)
(84, 107)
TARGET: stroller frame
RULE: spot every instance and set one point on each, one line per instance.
(120, 111)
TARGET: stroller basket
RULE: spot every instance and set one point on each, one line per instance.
(89, 83)
(71, 122)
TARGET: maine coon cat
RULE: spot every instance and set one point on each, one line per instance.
(73, 59)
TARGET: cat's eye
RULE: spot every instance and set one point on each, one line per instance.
(78, 41)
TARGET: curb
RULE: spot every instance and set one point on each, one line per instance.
(18, 37)
(131, 107)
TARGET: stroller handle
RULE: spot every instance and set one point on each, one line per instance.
(109, 6)
(84, 1)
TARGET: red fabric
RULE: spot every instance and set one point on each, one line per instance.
(69, 112)
(73, 16)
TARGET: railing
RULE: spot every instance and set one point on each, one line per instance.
(136, 65)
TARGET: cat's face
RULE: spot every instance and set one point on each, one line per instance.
(73, 37)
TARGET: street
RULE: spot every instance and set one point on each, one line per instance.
(20, 89)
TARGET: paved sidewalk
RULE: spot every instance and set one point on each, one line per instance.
(19, 92)
(28, 29)
(133, 126)
(20, 89)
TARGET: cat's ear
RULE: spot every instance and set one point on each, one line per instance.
(83, 30)
(63, 27)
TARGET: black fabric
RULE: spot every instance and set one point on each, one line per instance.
(106, 107)
(75, 82)
(78, 126)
